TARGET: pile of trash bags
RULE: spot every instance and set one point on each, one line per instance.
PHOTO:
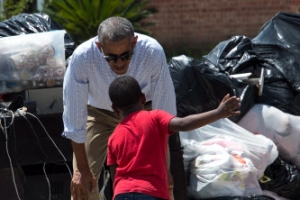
(255, 155)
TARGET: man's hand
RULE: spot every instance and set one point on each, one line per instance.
(81, 181)
(229, 106)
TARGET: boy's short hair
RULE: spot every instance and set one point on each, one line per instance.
(124, 91)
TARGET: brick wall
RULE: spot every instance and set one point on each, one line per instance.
(201, 24)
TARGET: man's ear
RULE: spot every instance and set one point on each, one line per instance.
(115, 109)
(135, 40)
(99, 46)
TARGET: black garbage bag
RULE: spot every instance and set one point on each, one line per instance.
(282, 178)
(278, 41)
(200, 86)
(34, 23)
(230, 53)
(278, 44)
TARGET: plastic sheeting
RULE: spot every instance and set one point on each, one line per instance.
(29, 61)
(32, 54)
(34, 23)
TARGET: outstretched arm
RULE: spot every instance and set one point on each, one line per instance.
(227, 108)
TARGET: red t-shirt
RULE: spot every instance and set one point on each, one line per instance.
(138, 146)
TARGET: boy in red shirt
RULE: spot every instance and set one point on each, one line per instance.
(137, 148)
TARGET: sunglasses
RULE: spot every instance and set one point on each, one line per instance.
(114, 58)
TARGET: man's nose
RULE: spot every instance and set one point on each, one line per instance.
(119, 62)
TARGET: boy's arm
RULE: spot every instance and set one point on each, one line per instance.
(113, 171)
(226, 108)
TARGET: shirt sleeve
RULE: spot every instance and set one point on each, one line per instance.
(163, 118)
(75, 97)
(164, 93)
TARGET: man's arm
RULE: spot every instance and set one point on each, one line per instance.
(82, 177)
(75, 94)
(226, 108)
(75, 98)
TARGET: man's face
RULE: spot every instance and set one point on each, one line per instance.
(118, 54)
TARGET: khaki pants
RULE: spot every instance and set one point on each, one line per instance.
(100, 125)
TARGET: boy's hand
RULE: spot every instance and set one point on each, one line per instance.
(229, 106)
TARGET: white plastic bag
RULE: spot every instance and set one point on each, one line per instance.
(224, 159)
(282, 128)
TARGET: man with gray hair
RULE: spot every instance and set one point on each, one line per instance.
(88, 117)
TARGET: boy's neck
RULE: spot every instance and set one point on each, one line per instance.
(124, 113)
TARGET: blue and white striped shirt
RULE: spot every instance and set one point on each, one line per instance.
(88, 77)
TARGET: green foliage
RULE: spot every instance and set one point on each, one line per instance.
(14, 7)
(81, 18)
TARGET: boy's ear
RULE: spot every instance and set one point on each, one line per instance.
(115, 109)
(143, 98)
